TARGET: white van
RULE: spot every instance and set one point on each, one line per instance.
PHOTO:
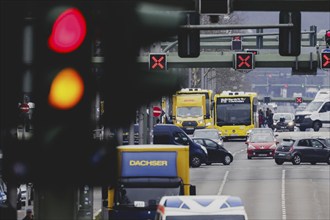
(201, 207)
(316, 114)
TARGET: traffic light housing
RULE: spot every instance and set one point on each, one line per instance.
(267, 99)
(189, 40)
(236, 43)
(290, 38)
(243, 61)
(327, 38)
(65, 90)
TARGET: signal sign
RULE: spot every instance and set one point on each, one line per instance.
(157, 61)
(244, 61)
(299, 99)
(325, 60)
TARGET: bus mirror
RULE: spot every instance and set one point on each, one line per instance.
(192, 190)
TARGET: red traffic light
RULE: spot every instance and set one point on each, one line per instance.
(327, 37)
(68, 31)
(244, 61)
(157, 61)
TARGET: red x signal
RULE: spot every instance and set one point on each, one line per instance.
(244, 61)
(325, 60)
(299, 99)
(157, 61)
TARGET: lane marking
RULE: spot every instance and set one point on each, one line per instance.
(283, 196)
(223, 182)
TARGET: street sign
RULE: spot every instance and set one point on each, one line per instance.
(24, 107)
(325, 59)
(157, 111)
(244, 61)
(299, 99)
(157, 61)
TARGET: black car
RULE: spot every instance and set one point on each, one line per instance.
(300, 150)
(216, 152)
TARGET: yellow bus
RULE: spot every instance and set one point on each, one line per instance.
(209, 95)
(235, 113)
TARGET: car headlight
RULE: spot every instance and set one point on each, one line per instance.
(307, 116)
(291, 123)
(200, 121)
(178, 122)
(208, 123)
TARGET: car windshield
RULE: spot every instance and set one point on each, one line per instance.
(261, 138)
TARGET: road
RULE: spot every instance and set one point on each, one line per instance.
(269, 191)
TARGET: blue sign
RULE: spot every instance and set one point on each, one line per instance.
(151, 164)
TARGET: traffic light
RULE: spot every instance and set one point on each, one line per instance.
(299, 100)
(65, 90)
(157, 61)
(189, 40)
(236, 43)
(244, 61)
(126, 84)
(267, 99)
(290, 38)
(327, 38)
(325, 59)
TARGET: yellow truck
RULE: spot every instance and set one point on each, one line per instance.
(145, 174)
(189, 111)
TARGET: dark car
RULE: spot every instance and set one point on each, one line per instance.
(302, 150)
(172, 134)
(216, 152)
(325, 141)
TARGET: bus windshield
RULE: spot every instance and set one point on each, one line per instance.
(233, 114)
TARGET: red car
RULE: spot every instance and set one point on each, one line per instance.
(261, 145)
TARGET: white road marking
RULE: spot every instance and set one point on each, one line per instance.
(223, 182)
(283, 196)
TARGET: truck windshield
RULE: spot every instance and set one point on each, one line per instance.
(313, 106)
(143, 197)
(189, 111)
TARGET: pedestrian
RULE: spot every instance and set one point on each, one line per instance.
(29, 215)
(270, 120)
(261, 118)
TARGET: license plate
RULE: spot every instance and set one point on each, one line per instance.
(190, 128)
(297, 124)
(233, 135)
(262, 155)
(281, 154)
